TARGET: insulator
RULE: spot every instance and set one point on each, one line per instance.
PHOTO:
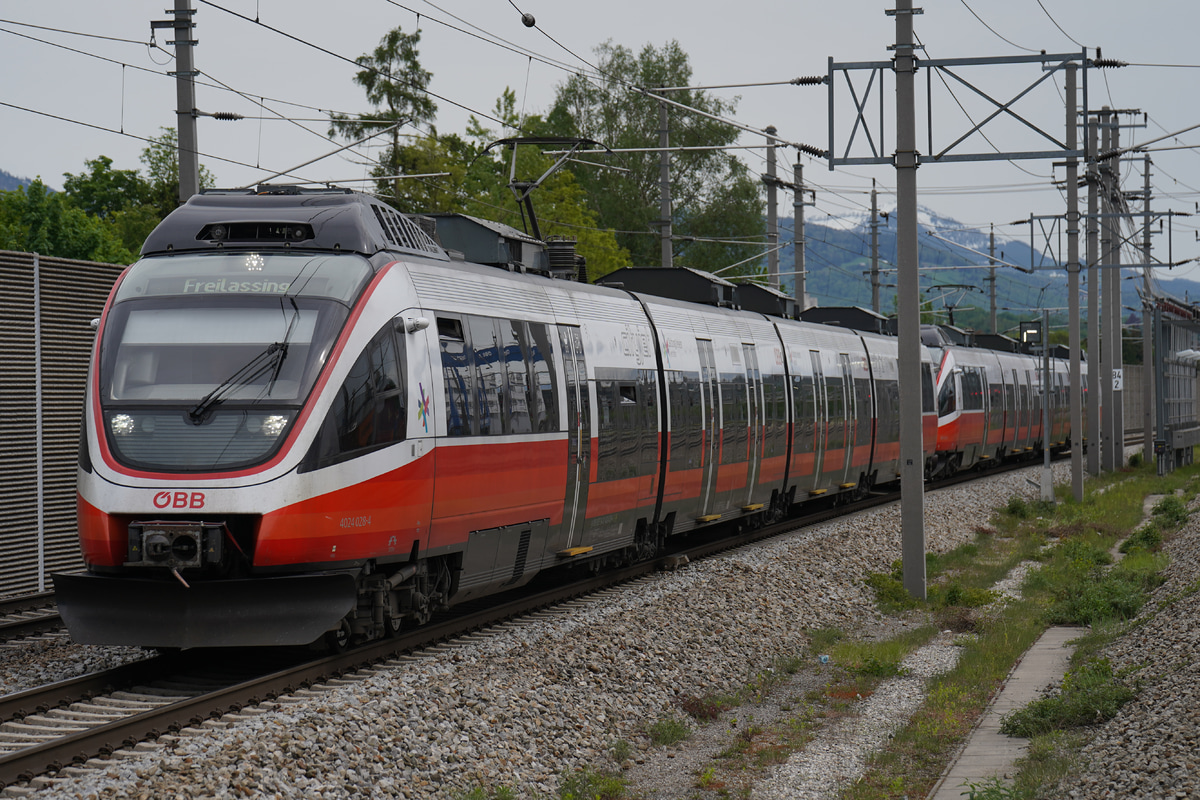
(1108, 63)
(814, 80)
(228, 116)
(815, 152)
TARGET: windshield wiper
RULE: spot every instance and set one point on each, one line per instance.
(269, 359)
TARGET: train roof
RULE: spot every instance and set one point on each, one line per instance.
(853, 317)
(288, 217)
(677, 283)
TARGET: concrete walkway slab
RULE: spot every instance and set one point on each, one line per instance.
(988, 752)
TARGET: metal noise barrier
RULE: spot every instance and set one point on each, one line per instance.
(46, 305)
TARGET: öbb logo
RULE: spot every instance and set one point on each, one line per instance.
(179, 500)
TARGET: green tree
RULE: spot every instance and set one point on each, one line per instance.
(560, 202)
(396, 86)
(120, 197)
(162, 172)
(103, 191)
(713, 194)
(35, 220)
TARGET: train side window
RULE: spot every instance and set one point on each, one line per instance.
(542, 377)
(368, 410)
(686, 422)
(457, 372)
(972, 385)
(735, 418)
(775, 394)
(519, 411)
(926, 388)
(996, 411)
(489, 375)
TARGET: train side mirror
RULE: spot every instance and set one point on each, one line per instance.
(414, 324)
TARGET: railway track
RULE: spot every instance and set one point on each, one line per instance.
(50, 729)
(28, 615)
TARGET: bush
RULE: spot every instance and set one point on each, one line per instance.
(890, 592)
(1091, 595)
(1148, 538)
(668, 731)
(1090, 694)
(1017, 507)
(701, 709)
(955, 594)
(1170, 511)
(590, 785)
(875, 667)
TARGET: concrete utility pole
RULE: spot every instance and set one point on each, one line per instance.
(1147, 344)
(1112, 456)
(1095, 344)
(664, 182)
(185, 96)
(874, 248)
(912, 459)
(1104, 379)
(1076, 393)
(1118, 360)
(800, 242)
(1047, 394)
(772, 212)
(991, 279)
(1160, 391)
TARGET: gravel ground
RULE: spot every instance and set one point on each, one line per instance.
(26, 663)
(531, 701)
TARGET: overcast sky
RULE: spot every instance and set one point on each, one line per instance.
(746, 42)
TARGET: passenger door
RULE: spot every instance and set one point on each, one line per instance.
(754, 386)
(712, 422)
(579, 434)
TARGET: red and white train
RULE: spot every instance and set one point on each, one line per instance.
(306, 418)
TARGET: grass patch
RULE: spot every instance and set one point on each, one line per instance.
(589, 784)
(1075, 583)
(1090, 694)
(668, 731)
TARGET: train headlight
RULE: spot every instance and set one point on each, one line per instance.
(271, 425)
(122, 424)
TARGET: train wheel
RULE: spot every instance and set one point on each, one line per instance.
(338, 639)
(951, 465)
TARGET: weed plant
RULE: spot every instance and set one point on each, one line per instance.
(589, 784)
(1090, 694)
(668, 732)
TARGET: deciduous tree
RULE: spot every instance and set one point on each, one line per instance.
(714, 196)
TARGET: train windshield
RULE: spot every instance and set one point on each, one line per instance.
(206, 359)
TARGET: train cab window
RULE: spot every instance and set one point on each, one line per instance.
(458, 370)
(368, 410)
